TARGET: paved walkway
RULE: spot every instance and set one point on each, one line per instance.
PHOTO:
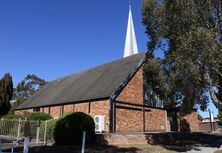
(211, 148)
(203, 150)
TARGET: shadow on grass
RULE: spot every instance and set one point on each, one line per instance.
(77, 149)
(185, 141)
(174, 141)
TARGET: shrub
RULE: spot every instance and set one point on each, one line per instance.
(49, 130)
(69, 128)
(36, 116)
(13, 116)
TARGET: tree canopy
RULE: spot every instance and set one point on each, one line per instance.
(26, 88)
(6, 93)
(189, 34)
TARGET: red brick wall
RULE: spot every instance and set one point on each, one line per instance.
(94, 108)
(46, 109)
(129, 120)
(125, 138)
(133, 92)
(101, 108)
(23, 112)
(155, 120)
(206, 127)
(69, 108)
(55, 111)
(190, 123)
(132, 120)
(82, 107)
(166, 138)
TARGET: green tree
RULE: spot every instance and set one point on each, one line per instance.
(217, 11)
(187, 32)
(200, 118)
(26, 88)
(6, 93)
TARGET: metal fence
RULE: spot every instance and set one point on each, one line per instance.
(15, 130)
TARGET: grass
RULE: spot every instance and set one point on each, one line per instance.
(97, 149)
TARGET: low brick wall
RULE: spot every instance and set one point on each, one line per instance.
(206, 127)
(122, 139)
(165, 138)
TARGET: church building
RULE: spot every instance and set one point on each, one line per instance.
(114, 92)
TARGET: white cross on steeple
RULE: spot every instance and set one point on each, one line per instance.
(130, 43)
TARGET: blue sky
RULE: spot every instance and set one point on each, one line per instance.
(54, 38)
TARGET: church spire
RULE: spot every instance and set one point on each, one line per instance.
(130, 43)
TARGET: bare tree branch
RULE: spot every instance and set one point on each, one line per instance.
(213, 95)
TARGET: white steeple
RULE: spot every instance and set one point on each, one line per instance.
(130, 43)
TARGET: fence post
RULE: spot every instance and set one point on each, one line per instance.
(0, 145)
(19, 129)
(1, 119)
(37, 132)
(46, 122)
(83, 141)
(26, 145)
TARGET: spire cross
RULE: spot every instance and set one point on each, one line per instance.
(130, 3)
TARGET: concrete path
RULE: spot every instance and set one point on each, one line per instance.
(203, 150)
(211, 148)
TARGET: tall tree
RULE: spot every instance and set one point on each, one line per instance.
(192, 62)
(26, 88)
(6, 93)
(217, 12)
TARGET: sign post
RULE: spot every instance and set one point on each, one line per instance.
(83, 141)
(26, 145)
(211, 125)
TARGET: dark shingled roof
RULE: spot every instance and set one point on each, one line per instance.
(95, 83)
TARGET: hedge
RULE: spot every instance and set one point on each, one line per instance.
(69, 128)
(13, 116)
(36, 116)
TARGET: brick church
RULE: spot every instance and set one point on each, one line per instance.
(114, 90)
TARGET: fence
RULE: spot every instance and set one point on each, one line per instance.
(17, 130)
